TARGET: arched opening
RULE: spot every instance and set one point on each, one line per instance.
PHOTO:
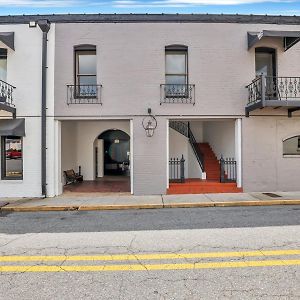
(112, 153)
(291, 145)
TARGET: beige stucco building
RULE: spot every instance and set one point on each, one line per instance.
(221, 91)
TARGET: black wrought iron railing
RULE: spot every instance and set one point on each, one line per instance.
(176, 169)
(227, 170)
(184, 128)
(197, 151)
(181, 127)
(254, 91)
(265, 88)
(84, 94)
(177, 93)
(6, 93)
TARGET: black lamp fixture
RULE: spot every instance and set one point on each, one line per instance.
(149, 124)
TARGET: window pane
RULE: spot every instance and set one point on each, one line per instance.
(291, 146)
(87, 80)
(175, 79)
(175, 63)
(13, 157)
(87, 64)
(3, 69)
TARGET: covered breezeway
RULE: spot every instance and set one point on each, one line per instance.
(100, 151)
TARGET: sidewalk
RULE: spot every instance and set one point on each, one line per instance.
(125, 201)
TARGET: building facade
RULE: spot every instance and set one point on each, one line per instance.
(129, 96)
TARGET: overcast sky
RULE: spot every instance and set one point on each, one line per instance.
(271, 7)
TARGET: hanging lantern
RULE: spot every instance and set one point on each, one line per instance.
(149, 124)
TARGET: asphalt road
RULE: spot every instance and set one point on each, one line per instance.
(149, 219)
(211, 253)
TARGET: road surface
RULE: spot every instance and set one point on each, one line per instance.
(204, 253)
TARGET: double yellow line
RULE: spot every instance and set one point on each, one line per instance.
(140, 266)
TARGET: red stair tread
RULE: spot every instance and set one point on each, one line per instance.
(212, 183)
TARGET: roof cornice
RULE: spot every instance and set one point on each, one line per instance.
(153, 18)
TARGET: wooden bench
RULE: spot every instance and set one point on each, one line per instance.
(72, 177)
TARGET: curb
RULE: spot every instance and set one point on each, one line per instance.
(148, 206)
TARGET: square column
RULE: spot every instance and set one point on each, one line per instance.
(149, 158)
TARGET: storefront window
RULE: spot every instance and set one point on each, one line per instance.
(12, 157)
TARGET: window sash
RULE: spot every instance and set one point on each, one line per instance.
(78, 75)
(181, 74)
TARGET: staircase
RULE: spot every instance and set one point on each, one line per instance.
(198, 186)
(208, 163)
(211, 163)
(184, 129)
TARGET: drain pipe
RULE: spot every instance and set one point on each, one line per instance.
(45, 27)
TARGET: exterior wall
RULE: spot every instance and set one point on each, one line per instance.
(24, 72)
(130, 66)
(69, 147)
(219, 67)
(150, 158)
(264, 167)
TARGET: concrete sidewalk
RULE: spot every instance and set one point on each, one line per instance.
(125, 201)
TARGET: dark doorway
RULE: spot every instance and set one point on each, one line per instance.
(265, 65)
(116, 145)
(265, 61)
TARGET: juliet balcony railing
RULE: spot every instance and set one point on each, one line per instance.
(271, 91)
(84, 94)
(177, 93)
(6, 94)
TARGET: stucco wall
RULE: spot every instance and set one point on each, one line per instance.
(24, 72)
(150, 158)
(30, 186)
(264, 167)
(69, 146)
(131, 65)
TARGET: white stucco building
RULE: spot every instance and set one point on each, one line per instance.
(77, 92)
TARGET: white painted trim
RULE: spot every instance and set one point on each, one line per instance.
(168, 153)
(58, 188)
(131, 158)
(238, 151)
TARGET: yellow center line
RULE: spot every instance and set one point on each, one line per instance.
(155, 256)
(151, 267)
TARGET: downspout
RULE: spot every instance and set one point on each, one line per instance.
(45, 27)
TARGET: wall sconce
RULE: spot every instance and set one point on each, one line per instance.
(149, 124)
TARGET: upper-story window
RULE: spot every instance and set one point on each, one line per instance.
(177, 88)
(176, 65)
(3, 64)
(85, 89)
(86, 71)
